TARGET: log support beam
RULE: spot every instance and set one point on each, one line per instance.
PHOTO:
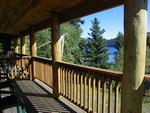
(16, 40)
(23, 45)
(56, 53)
(33, 53)
(135, 30)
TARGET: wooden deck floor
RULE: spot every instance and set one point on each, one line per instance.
(38, 100)
(9, 110)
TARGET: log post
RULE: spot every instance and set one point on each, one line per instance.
(16, 40)
(33, 52)
(23, 50)
(56, 53)
(23, 45)
(135, 30)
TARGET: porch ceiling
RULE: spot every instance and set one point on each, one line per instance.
(18, 16)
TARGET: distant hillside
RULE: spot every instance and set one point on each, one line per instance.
(111, 42)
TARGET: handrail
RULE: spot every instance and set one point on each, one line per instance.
(80, 67)
(147, 77)
(44, 60)
(21, 54)
(92, 69)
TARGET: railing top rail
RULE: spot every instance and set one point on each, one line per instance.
(92, 69)
(81, 67)
(147, 77)
(43, 60)
(21, 54)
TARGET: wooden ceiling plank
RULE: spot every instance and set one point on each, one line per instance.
(2, 7)
(85, 8)
(20, 15)
(88, 7)
(19, 11)
(34, 16)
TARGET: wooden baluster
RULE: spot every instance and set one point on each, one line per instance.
(51, 75)
(103, 95)
(71, 85)
(64, 72)
(98, 96)
(81, 90)
(109, 95)
(93, 96)
(60, 80)
(67, 83)
(85, 78)
(63, 82)
(89, 94)
(48, 74)
(116, 98)
(44, 71)
(78, 89)
(45, 77)
(74, 91)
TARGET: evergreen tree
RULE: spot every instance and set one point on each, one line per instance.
(95, 51)
(147, 70)
(72, 52)
(43, 39)
(119, 41)
(77, 23)
(117, 65)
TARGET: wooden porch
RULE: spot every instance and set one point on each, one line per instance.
(91, 89)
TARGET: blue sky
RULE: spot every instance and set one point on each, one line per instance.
(111, 20)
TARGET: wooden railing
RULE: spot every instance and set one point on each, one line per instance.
(24, 62)
(43, 70)
(92, 89)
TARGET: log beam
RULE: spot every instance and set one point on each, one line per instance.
(16, 40)
(56, 53)
(135, 30)
(23, 45)
(33, 52)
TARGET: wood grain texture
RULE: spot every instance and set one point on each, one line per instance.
(135, 18)
(21, 15)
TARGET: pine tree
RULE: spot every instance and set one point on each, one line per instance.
(117, 65)
(72, 52)
(43, 39)
(119, 41)
(95, 51)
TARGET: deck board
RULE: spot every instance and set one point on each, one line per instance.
(37, 99)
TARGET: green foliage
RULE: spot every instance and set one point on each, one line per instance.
(77, 23)
(147, 60)
(43, 47)
(72, 52)
(27, 38)
(94, 49)
(117, 65)
(119, 41)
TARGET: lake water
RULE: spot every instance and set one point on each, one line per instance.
(112, 51)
